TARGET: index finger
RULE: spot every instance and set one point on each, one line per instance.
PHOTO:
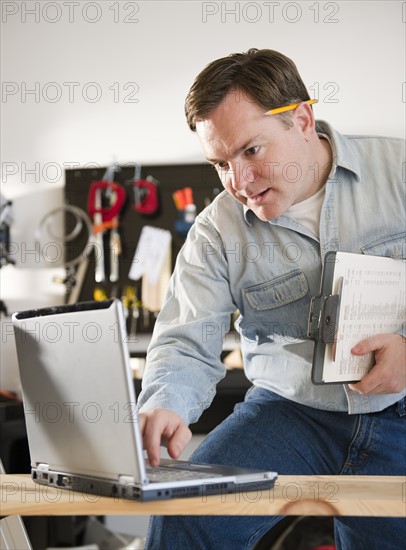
(152, 434)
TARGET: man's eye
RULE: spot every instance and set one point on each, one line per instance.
(251, 151)
(221, 165)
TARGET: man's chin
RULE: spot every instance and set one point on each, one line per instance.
(265, 214)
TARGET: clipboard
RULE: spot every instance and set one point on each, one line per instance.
(360, 295)
(323, 318)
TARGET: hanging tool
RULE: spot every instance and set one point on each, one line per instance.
(131, 309)
(105, 218)
(99, 294)
(100, 273)
(76, 267)
(6, 219)
(146, 199)
(183, 199)
(115, 240)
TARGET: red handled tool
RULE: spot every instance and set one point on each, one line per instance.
(110, 212)
(106, 218)
(146, 198)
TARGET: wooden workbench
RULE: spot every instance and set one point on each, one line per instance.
(292, 495)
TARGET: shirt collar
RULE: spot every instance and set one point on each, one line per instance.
(344, 156)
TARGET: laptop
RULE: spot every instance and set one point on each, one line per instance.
(81, 412)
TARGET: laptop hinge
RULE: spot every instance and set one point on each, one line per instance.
(127, 488)
(44, 468)
(125, 479)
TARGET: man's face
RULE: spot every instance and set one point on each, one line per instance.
(261, 163)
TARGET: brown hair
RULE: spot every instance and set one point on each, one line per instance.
(267, 77)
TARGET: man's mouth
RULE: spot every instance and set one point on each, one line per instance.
(259, 197)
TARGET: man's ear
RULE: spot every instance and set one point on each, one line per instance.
(304, 120)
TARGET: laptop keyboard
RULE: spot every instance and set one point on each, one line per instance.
(172, 474)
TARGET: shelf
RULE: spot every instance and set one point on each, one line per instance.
(138, 344)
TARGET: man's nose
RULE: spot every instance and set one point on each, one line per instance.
(242, 175)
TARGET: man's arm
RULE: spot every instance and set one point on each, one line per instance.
(388, 375)
(184, 357)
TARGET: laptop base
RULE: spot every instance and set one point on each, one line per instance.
(99, 487)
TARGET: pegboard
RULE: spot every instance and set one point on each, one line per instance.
(203, 180)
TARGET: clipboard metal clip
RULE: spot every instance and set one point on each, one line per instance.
(323, 318)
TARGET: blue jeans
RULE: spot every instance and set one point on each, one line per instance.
(269, 432)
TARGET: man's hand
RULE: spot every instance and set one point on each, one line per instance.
(388, 375)
(163, 427)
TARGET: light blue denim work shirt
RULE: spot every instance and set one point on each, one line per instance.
(269, 271)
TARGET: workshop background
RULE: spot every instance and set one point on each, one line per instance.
(94, 84)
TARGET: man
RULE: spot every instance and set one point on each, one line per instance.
(294, 190)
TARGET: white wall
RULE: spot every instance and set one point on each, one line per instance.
(360, 58)
(140, 59)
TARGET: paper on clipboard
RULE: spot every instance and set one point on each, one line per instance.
(150, 254)
(371, 292)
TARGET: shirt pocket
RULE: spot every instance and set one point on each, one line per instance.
(277, 307)
(393, 246)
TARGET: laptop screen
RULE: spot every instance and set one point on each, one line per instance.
(78, 390)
